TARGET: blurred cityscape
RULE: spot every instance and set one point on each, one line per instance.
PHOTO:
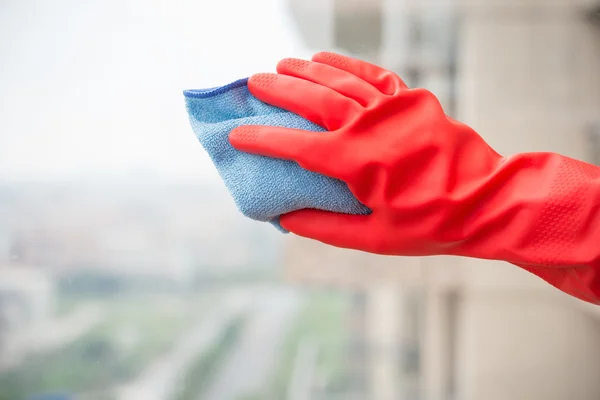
(146, 287)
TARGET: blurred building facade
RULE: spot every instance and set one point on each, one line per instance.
(523, 73)
(26, 305)
(133, 229)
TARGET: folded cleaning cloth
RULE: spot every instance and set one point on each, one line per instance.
(263, 188)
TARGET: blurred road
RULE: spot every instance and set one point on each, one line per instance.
(252, 361)
(160, 380)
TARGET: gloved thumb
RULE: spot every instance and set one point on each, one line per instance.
(335, 229)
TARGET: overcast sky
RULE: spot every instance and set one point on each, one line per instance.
(92, 88)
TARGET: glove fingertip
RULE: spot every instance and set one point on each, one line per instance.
(263, 80)
(244, 137)
(332, 59)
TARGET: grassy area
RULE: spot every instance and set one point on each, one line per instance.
(66, 305)
(135, 331)
(145, 328)
(88, 363)
(198, 377)
(322, 320)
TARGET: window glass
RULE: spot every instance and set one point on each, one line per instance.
(127, 272)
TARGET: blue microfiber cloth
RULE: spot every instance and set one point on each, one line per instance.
(263, 188)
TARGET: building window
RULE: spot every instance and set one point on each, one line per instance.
(593, 140)
(357, 25)
(432, 54)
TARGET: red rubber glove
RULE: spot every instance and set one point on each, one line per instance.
(434, 185)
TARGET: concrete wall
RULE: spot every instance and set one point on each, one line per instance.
(529, 82)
